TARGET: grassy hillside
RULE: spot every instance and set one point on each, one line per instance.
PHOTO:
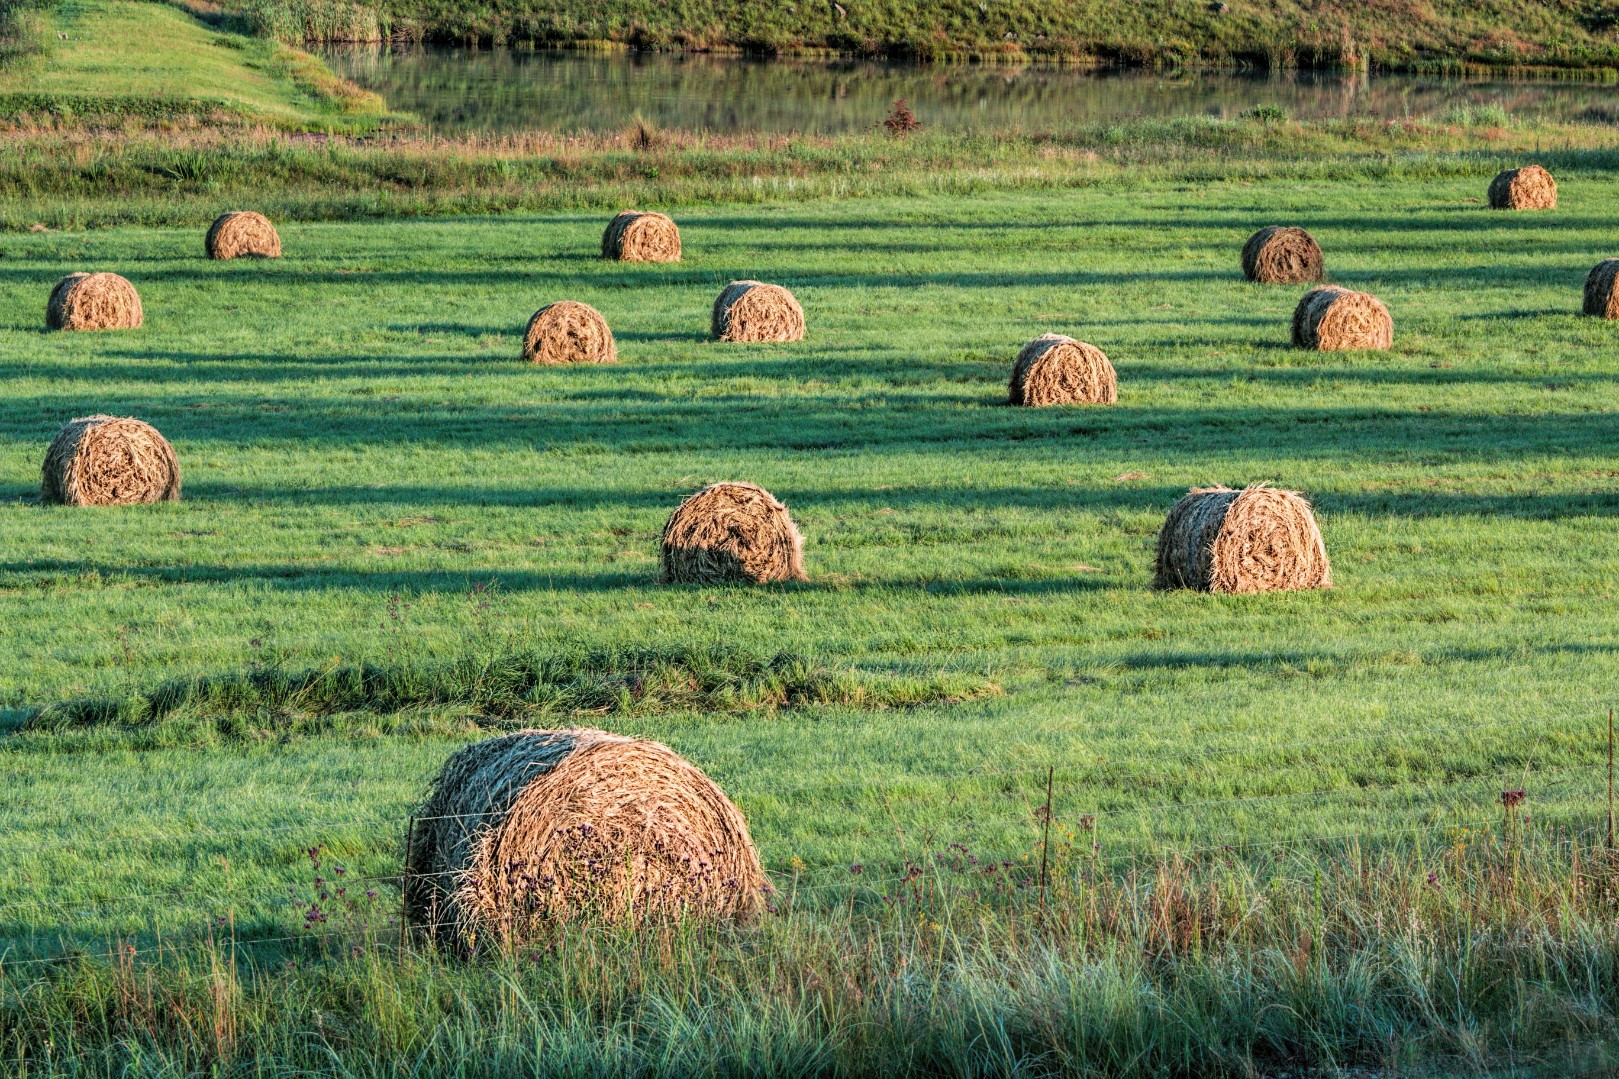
(80, 65)
(1264, 33)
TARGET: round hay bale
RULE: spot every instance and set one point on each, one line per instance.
(1601, 298)
(1057, 370)
(731, 532)
(1528, 188)
(109, 461)
(542, 826)
(754, 311)
(243, 234)
(634, 236)
(1332, 319)
(568, 332)
(93, 301)
(1259, 539)
(1282, 255)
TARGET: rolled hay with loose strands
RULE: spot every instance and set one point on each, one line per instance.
(1282, 255)
(568, 332)
(1528, 188)
(243, 234)
(1331, 319)
(1057, 370)
(634, 236)
(109, 461)
(93, 301)
(542, 826)
(755, 311)
(1601, 298)
(731, 532)
(1259, 539)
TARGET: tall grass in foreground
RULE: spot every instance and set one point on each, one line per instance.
(1462, 954)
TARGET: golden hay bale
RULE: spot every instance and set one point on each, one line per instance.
(569, 332)
(732, 532)
(541, 826)
(93, 301)
(1601, 298)
(1259, 539)
(109, 461)
(1282, 255)
(1331, 319)
(754, 311)
(1057, 370)
(633, 236)
(243, 233)
(1528, 188)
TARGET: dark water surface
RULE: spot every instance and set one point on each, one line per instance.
(493, 90)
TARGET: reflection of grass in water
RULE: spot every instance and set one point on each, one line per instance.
(493, 90)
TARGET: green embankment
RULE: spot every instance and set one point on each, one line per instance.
(85, 68)
(1265, 33)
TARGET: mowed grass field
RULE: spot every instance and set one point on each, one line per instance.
(371, 475)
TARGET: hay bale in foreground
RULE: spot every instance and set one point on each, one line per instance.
(1528, 188)
(93, 301)
(1057, 370)
(1259, 539)
(634, 236)
(1282, 255)
(754, 311)
(1601, 298)
(243, 234)
(568, 332)
(731, 532)
(109, 461)
(540, 826)
(1332, 319)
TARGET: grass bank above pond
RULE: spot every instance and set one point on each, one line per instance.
(67, 178)
(1256, 33)
(114, 61)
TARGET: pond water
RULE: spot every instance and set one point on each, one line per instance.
(494, 90)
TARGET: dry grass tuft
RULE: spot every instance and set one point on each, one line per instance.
(754, 311)
(243, 234)
(568, 332)
(634, 236)
(1528, 188)
(93, 301)
(1333, 319)
(545, 826)
(1601, 298)
(1259, 539)
(1282, 255)
(109, 461)
(731, 532)
(1057, 370)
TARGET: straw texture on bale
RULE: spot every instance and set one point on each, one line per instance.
(1281, 255)
(539, 826)
(1331, 318)
(93, 301)
(633, 236)
(568, 332)
(1528, 188)
(1259, 539)
(1601, 298)
(731, 532)
(754, 311)
(109, 461)
(1057, 370)
(243, 234)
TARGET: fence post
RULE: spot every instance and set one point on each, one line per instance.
(1610, 780)
(404, 887)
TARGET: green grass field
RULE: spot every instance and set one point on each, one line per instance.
(372, 476)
